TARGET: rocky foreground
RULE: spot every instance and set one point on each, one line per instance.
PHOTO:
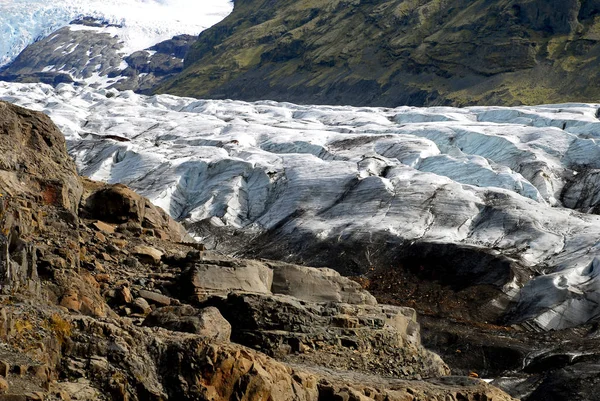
(106, 297)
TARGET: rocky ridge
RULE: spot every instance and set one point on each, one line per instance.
(88, 52)
(94, 306)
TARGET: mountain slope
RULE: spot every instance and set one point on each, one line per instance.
(415, 52)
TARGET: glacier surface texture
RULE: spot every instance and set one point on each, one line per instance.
(138, 23)
(520, 184)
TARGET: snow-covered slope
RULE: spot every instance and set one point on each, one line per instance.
(501, 182)
(143, 23)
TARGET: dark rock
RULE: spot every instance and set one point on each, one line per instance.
(155, 297)
(206, 322)
(141, 306)
(118, 204)
(422, 53)
(287, 328)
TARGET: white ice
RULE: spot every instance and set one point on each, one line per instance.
(502, 179)
(144, 22)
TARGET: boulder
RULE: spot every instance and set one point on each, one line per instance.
(147, 254)
(142, 306)
(207, 322)
(224, 276)
(317, 285)
(155, 297)
(117, 204)
(103, 227)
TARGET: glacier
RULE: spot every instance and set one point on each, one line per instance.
(516, 186)
(141, 23)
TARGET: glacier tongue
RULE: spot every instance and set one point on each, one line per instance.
(499, 181)
(143, 23)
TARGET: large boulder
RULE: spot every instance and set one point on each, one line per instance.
(207, 322)
(317, 285)
(244, 275)
(118, 204)
(223, 276)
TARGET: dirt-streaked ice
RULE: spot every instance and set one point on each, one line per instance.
(521, 182)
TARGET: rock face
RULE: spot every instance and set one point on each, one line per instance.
(457, 52)
(376, 339)
(52, 178)
(77, 297)
(322, 285)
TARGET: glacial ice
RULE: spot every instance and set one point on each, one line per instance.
(520, 181)
(143, 22)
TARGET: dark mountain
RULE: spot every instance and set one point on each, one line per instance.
(415, 52)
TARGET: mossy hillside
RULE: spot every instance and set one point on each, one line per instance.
(420, 52)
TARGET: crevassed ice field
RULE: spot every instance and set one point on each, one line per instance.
(144, 22)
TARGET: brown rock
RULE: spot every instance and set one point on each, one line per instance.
(161, 234)
(124, 295)
(142, 306)
(4, 368)
(121, 243)
(98, 266)
(115, 204)
(3, 385)
(36, 163)
(226, 276)
(317, 285)
(207, 322)
(147, 254)
(100, 237)
(103, 278)
(104, 227)
(91, 307)
(71, 300)
(119, 204)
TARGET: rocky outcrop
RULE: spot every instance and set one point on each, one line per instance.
(457, 52)
(222, 275)
(119, 205)
(88, 52)
(91, 308)
(206, 322)
(369, 339)
(34, 163)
